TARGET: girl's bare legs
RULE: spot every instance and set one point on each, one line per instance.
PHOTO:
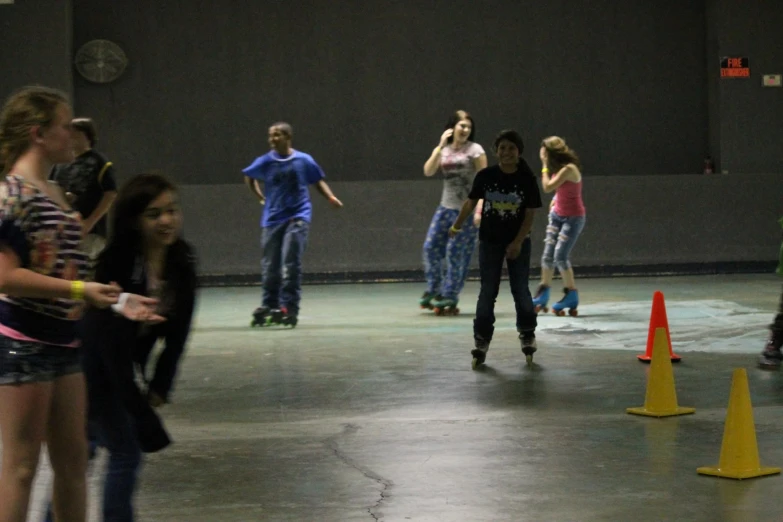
(24, 410)
(66, 439)
(568, 279)
(546, 276)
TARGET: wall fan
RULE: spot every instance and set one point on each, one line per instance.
(100, 61)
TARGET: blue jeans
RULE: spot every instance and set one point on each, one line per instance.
(491, 257)
(281, 266)
(117, 433)
(457, 252)
(561, 235)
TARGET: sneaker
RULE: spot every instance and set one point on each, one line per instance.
(771, 357)
(528, 340)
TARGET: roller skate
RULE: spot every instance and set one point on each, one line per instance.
(445, 306)
(425, 302)
(570, 300)
(529, 347)
(282, 317)
(479, 353)
(771, 357)
(541, 299)
(260, 316)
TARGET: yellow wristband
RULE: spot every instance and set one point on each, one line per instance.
(77, 290)
(545, 170)
(453, 229)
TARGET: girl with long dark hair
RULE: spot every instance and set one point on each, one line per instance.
(144, 255)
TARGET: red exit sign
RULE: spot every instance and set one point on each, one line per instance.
(734, 67)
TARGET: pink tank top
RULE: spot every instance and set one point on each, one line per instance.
(568, 199)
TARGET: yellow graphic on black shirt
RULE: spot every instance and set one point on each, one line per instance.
(505, 206)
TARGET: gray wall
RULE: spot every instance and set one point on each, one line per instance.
(633, 85)
(748, 123)
(35, 38)
(368, 89)
(632, 220)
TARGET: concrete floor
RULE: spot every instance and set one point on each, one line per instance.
(369, 410)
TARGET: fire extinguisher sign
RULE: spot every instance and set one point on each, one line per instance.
(734, 67)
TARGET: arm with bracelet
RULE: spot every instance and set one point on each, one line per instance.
(467, 208)
(551, 183)
(18, 281)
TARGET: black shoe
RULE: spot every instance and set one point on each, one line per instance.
(479, 353)
(771, 357)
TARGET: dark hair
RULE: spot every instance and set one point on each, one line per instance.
(23, 110)
(133, 197)
(457, 117)
(87, 127)
(125, 244)
(285, 128)
(509, 135)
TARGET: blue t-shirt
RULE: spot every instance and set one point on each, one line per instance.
(286, 181)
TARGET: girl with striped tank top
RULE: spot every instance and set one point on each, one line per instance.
(560, 173)
(42, 296)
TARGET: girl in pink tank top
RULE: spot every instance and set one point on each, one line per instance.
(560, 173)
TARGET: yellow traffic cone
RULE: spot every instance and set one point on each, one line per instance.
(739, 453)
(661, 397)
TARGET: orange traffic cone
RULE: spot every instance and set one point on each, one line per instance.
(661, 397)
(658, 320)
(739, 452)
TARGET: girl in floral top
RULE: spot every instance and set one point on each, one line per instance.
(42, 296)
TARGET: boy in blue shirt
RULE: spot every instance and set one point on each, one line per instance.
(286, 174)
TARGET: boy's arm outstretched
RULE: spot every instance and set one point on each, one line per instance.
(324, 189)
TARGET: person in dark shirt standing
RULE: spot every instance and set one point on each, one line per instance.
(89, 184)
(511, 196)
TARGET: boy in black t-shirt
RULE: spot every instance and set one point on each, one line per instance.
(89, 185)
(511, 196)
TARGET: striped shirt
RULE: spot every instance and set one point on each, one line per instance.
(47, 238)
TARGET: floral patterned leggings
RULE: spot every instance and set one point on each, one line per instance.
(448, 279)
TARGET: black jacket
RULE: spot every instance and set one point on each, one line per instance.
(110, 340)
(180, 304)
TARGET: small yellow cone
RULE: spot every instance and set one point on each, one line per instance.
(739, 452)
(661, 397)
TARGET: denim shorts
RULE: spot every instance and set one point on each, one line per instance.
(27, 361)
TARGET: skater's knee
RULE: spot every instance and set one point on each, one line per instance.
(561, 258)
(563, 265)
